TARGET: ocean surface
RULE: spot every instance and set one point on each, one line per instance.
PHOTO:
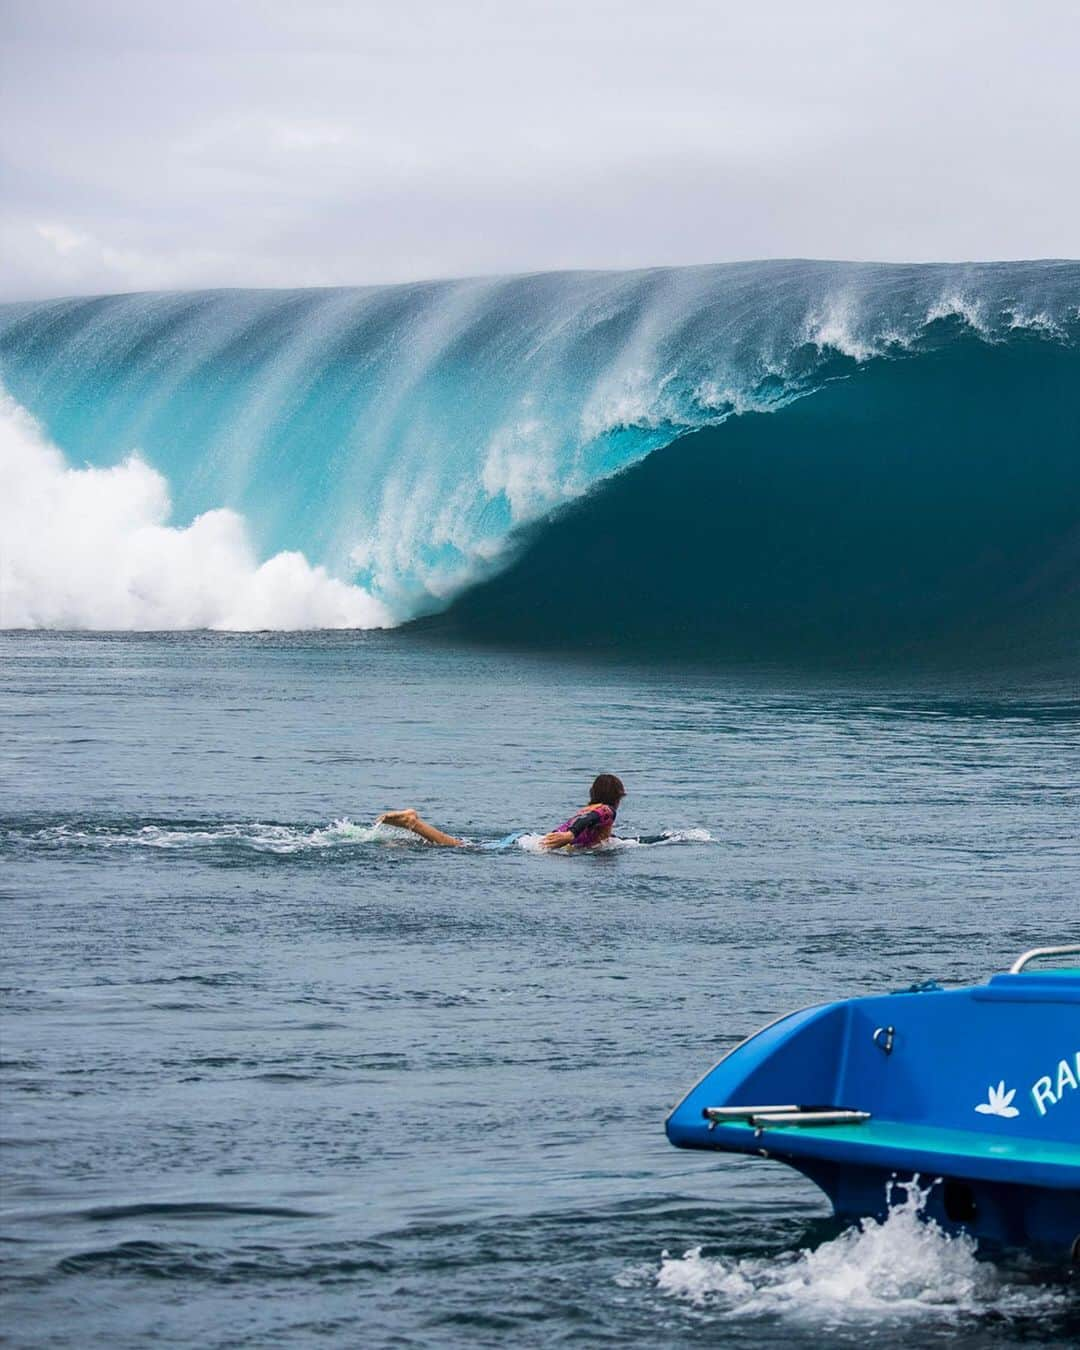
(793, 547)
(274, 1076)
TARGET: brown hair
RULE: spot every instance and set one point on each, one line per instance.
(608, 789)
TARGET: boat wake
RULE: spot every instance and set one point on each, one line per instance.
(901, 1270)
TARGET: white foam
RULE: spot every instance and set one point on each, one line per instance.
(714, 397)
(958, 306)
(902, 1269)
(520, 464)
(92, 549)
(833, 327)
(531, 842)
(1038, 322)
(628, 397)
(258, 836)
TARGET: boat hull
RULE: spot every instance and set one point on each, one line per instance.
(999, 1216)
(973, 1092)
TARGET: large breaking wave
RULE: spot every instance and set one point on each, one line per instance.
(818, 454)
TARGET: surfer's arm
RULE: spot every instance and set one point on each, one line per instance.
(557, 839)
(560, 838)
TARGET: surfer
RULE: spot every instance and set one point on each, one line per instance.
(586, 828)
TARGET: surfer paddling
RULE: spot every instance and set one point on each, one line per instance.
(587, 827)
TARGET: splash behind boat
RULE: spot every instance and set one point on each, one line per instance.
(978, 1088)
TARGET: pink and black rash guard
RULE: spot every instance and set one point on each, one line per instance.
(589, 827)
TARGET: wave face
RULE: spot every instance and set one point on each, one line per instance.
(392, 450)
(927, 507)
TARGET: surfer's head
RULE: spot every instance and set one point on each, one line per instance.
(607, 789)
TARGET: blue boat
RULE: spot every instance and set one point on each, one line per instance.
(976, 1090)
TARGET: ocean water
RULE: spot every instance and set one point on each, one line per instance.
(793, 547)
(791, 460)
(274, 1076)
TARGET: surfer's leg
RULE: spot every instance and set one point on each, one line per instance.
(409, 820)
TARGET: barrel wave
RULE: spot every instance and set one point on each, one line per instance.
(766, 459)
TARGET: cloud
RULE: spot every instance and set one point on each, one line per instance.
(274, 144)
(63, 239)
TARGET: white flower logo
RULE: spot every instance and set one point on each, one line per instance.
(998, 1102)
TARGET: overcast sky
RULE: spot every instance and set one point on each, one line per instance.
(182, 143)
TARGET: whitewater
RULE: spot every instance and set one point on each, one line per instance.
(364, 457)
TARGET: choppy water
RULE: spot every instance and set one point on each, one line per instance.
(273, 1077)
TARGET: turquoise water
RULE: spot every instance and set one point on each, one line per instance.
(794, 459)
(272, 1076)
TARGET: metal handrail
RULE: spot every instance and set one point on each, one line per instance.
(1036, 953)
(736, 1113)
(762, 1119)
(761, 1116)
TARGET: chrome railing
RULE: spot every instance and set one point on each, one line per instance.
(1037, 953)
